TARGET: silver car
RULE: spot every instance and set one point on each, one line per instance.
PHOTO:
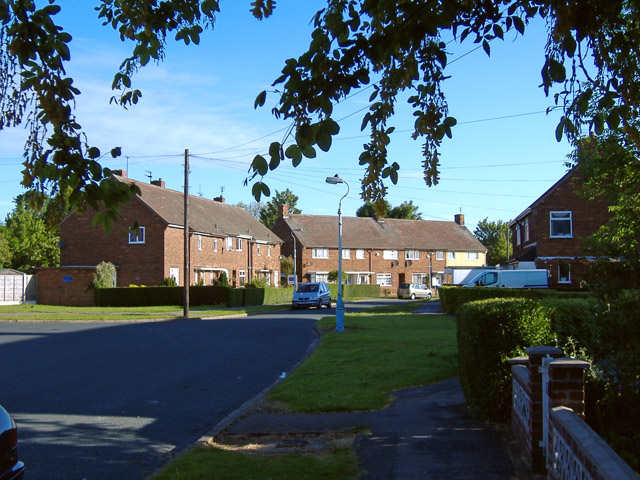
(312, 295)
(413, 291)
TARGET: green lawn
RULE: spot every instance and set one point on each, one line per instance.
(57, 313)
(353, 370)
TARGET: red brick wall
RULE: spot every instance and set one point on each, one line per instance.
(139, 264)
(65, 286)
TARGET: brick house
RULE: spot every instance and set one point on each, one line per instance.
(383, 251)
(549, 234)
(222, 238)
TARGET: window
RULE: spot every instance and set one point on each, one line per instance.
(239, 244)
(242, 277)
(383, 279)
(419, 278)
(199, 242)
(451, 255)
(346, 253)
(268, 250)
(215, 244)
(411, 255)
(564, 273)
(518, 234)
(258, 248)
(276, 278)
(360, 254)
(472, 255)
(390, 254)
(137, 236)
(525, 230)
(560, 224)
(319, 277)
(175, 274)
(320, 253)
(440, 255)
(229, 244)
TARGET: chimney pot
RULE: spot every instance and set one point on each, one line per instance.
(283, 211)
(459, 219)
(158, 183)
(120, 173)
(219, 199)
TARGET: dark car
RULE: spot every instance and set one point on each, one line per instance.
(312, 295)
(10, 467)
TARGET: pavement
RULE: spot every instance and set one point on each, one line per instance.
(427, 433)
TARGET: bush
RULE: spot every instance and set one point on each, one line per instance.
(354, 291)
(104, 276)
(169, 282)
(490, 332)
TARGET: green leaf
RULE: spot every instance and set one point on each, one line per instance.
(116, 152)
(93, 152)
(560, 129)
(293, 152)
(323, 139)
(260, 99)
(486, 47)
(519, 24)
(260, 165)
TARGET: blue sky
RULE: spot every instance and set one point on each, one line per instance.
(503, 154)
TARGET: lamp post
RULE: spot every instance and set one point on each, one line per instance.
(295, 261)
(339, 303)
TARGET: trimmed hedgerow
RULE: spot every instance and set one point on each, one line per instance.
(490, 332)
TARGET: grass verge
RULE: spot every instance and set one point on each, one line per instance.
(57, 313)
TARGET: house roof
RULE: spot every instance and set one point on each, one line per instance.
(390, 233)
(205, 216)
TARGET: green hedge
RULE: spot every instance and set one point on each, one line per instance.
(138, 296)
(355, 291)
(278, 296)
(490, 332)
(452, 297)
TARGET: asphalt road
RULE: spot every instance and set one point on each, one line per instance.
(104, 401)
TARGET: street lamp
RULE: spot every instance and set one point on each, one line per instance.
(339, 303)
(295, 275)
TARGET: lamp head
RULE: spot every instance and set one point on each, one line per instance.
(335, 179)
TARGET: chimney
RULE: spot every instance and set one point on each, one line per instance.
(219, 199)
(158, 183)
(283, 211)
(120, 173)
(459, 219)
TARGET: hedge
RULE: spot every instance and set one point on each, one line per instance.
(490, 332)
(452, 297)
(355, 291)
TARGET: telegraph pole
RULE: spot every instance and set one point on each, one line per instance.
(185, 298)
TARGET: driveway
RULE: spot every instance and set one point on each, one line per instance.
(101, 401)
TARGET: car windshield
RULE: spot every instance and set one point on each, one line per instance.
(308, 287)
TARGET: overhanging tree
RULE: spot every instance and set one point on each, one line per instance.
(591, 54)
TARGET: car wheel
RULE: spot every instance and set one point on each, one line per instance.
(329, 304)
(413, 296)
(429, 296)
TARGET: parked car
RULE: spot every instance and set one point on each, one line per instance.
(10, 467)
(312, 295)
(511, 279)
(413, 291)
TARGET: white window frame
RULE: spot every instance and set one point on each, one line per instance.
(566, 279)
(390, 254)
(319, 253)
(258, 249)
(419, 278)
(525, 230)
(360, 254)
(346, 254)
(412, 254)
(276, 278)
(439, 255)
(238, 244)
(242, 277)
(558, 219)
(229, 244)
(384, 279)
(199, 242)
(518, 234)
(137, 238)
(320, 277)
(215, 244)
(268, 250)
(451, 255)
(472, 256)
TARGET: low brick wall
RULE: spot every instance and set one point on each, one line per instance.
(65, 286)
(576, 451)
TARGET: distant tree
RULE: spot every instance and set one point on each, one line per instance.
(495, 236)
(253, 208)
(286, 265)
(406, 210)
(5, 251)
(333, 276)
(269, 212)
(32, 242)
(383, 209)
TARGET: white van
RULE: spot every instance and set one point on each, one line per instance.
(511, 279)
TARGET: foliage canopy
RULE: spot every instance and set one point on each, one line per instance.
(592, 57)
